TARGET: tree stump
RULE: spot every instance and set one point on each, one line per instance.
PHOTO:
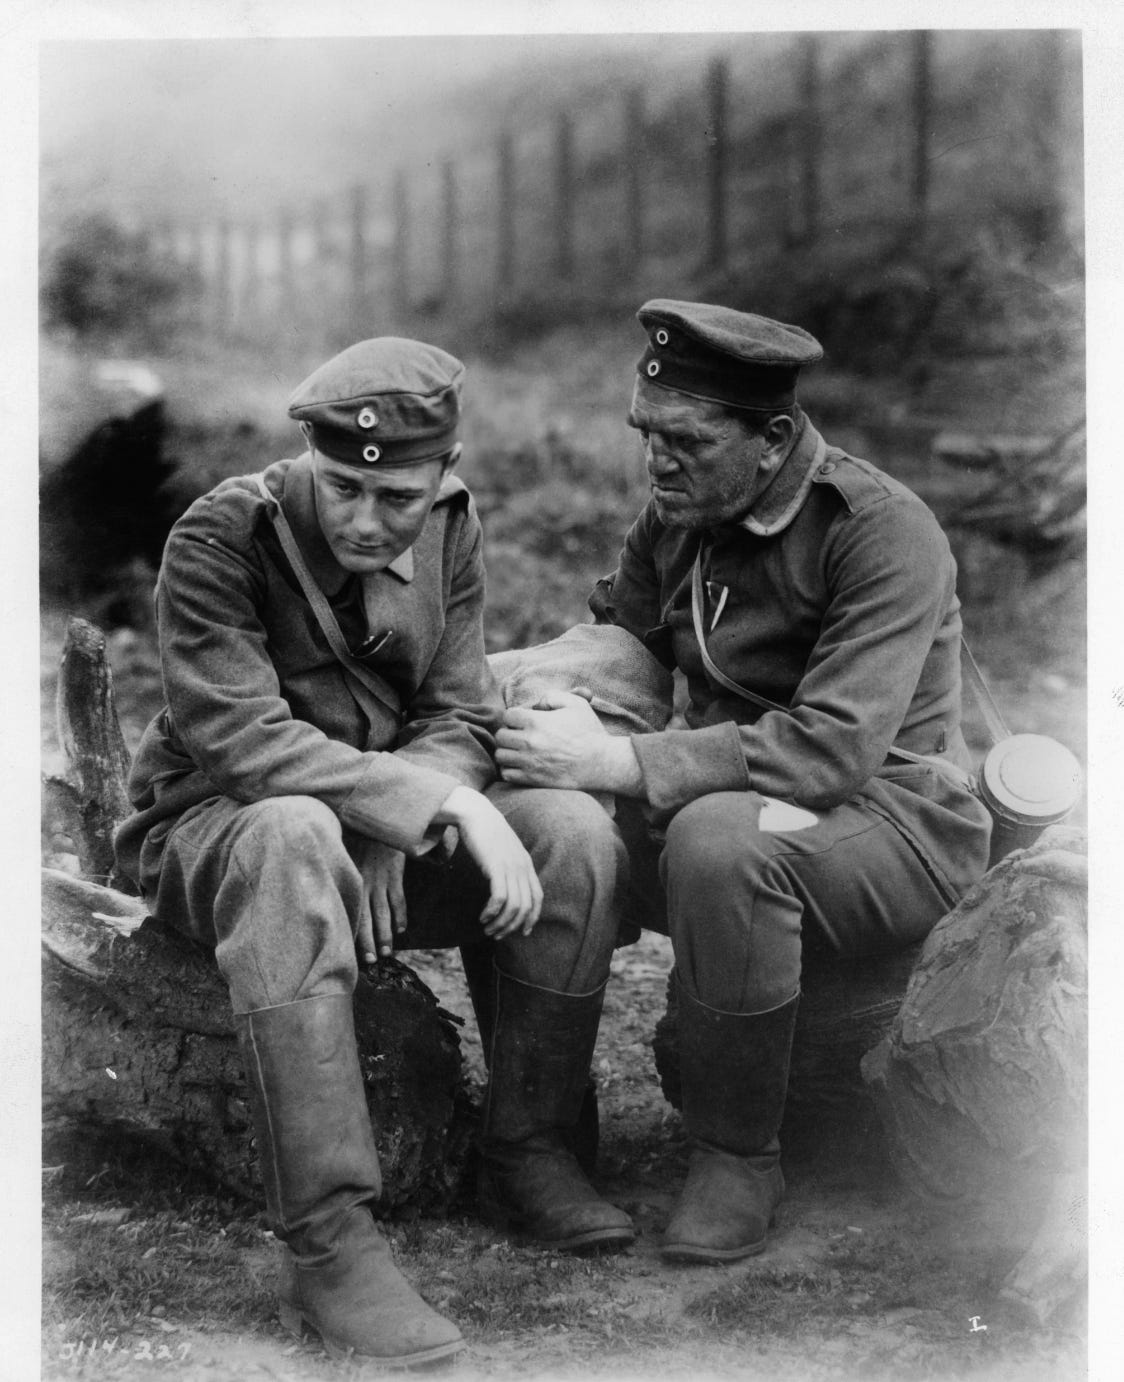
(138, 1033)
(981, 1081)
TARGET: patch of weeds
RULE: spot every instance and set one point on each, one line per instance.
(775, 1299)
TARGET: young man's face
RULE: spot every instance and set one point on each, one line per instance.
(702, 463)
(369, 517)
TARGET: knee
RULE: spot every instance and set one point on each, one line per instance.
(716, 836)
(562, 828)
(291, 833)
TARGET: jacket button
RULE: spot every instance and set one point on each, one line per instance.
(827, 467)
(653, 368)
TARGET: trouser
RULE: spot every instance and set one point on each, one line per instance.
(272, 888)
(746, 908)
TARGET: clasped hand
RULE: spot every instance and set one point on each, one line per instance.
(558, 742)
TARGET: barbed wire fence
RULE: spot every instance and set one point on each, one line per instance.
(645, 191)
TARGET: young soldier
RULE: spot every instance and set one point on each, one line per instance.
(329, 716)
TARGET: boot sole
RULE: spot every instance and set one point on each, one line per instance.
(690, 1252)
(296, 1323)
(610, 1239)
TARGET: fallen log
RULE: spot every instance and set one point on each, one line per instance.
(138, 1034)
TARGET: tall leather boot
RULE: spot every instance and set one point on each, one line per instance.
(478, 961)
(321, 1175)
(734, 1069)
(530, 1181)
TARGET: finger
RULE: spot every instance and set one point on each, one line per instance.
(384, 933)
(397, 899)
(504, 911)
(365, 940)
(554, 700)
(518, 717)
(510, 741)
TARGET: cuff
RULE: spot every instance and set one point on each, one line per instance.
(395, 802)
(679, 765)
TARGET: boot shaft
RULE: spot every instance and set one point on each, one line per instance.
(314, 1135)
(734, 1069)
(542, 1047)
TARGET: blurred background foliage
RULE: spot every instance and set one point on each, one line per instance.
(915, 200)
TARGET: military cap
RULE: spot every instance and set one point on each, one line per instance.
(716, 353)
(388, 401)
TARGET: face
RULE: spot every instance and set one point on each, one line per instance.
(369, 517)
(704, 466)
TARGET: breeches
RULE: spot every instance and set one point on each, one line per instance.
(745, 908)
(272, 888)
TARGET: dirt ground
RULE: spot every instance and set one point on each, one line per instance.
(146, 1276)
(860, 1280)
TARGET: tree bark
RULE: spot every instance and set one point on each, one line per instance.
(138, 1032)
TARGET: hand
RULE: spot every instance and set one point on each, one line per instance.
(560, 742)
(515, 899)
(384, 909)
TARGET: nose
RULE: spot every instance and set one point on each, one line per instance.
(660, 461)
(366, 520)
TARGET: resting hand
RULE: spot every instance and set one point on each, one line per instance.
(515, 899)
(384, 912)
(560, 742)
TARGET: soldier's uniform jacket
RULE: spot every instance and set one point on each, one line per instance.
(834, 597)
(257, 705)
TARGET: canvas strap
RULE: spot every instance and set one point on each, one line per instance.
(716, 673)
(370, 684)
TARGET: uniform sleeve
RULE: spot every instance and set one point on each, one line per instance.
(891, 580)
(453, 715)
(225, 703)
(630, 596)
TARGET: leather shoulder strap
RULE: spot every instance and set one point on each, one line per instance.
(752, 696)
(385, 694)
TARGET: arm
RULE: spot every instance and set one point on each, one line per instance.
(451, 718)
(225, 702)
(890, 581)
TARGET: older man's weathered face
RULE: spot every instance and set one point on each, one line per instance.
(702, 463)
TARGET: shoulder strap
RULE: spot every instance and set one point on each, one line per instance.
(971, 673)
(385, 694)
(746, 694)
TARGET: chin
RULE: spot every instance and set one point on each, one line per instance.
(360, 565)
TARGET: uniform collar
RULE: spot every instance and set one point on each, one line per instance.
(774, 509)
(299, 504)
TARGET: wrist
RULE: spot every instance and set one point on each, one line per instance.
(461, 803)
(618, 768)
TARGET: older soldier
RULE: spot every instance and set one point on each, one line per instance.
(329, 715)
(817, 798)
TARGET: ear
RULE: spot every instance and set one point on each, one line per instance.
(776, 440)
(451, 459)
(306, 432)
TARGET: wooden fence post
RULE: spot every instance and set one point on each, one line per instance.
(717, 83)
(401, 287)
(285, 261)
(250, 299)
(811, 151)
(505, 206)
(222, 276)
(1046, 126)
(450, 233)
(633, 160)
(564, 197)
(359, 289)
(922, 46)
